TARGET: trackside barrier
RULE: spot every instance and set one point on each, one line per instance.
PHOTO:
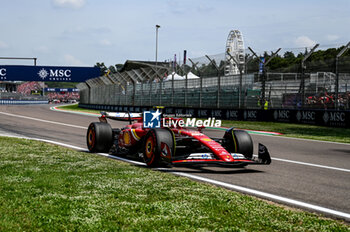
(331, 118)
(21, 102)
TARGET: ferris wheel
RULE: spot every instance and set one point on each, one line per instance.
(235, 47)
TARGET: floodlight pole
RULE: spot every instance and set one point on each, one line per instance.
(303, 67)
(157, 27)
(337, 74)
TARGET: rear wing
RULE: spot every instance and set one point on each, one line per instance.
(121, 116)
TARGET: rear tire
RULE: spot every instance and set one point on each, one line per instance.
(238, 141)
(99, 137)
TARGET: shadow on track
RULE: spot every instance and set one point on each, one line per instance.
(342, 150)
(193, 169)
(223, 170)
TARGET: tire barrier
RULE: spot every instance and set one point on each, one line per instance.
(21, 102)
(331, 118)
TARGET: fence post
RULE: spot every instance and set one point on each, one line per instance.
(200, 91)
(219, 81)
(150, 92)
(240, 68)
(172, 88)
(161, 92)
(303, 67)
(141, 97)
(218, 94)
(134, 94)
(263, 88)
(337, 74)
(119, 93)
(240, 87)
(194, 65)
(126, 94)
(263, 81)
(186, 90)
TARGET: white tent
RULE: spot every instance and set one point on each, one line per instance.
(190, 75)
(176, 77)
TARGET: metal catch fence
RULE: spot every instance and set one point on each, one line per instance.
(287, 81)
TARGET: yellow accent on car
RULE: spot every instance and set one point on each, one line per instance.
(126, 137)
(234, 141)
(134, 134)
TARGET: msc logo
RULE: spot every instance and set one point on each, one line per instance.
(190, 112)
(216, 113)
(151, 119)
(202, 113)
(334, 117)
(281, 114)
(232, 114)
(250, 114)
(43, 73)
(306, 115)
(3, 72)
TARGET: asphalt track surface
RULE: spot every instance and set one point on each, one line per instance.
(320, 175)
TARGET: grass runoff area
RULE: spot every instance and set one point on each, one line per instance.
(45, 187)
(304, 131)
(75, 107)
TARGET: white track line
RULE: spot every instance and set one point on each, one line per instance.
(215, 182)
(42, 120)
(267, 195)
(312, 165)
(277, 159)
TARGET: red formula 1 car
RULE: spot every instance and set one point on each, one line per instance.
(175, 146)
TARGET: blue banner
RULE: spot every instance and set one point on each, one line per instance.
(261, 64)
(47, 73)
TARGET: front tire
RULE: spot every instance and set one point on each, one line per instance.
(99, 137)
(238, 141)
(158, 147)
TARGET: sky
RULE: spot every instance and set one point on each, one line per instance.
(83, 32)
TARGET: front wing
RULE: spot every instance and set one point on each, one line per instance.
(263, 158)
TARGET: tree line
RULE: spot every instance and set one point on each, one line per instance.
(319, 61)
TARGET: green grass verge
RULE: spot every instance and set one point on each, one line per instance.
(75, 107)
(341, 135)
(49, 188)
(296, 130)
